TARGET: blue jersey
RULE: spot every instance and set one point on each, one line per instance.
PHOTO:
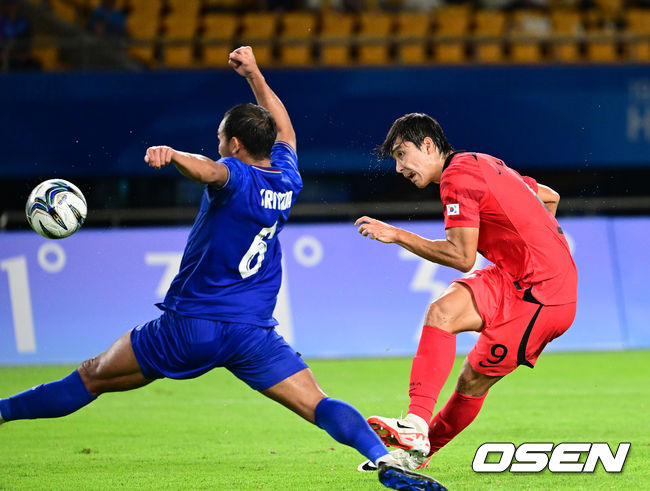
(231, 268)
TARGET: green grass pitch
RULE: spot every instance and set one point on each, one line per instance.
(216, 433)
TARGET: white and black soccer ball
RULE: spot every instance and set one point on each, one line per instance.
(56, 209)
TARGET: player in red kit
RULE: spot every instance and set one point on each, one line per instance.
(518, 304)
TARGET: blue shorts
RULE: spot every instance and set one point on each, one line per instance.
(180, 347)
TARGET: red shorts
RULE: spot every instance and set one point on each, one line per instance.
(515, 329)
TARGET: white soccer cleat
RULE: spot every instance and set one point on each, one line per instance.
(403, 458)
(410, 433)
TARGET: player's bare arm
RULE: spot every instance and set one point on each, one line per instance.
(549, 197)
(457, 251)
(193, 166)
(243, 61)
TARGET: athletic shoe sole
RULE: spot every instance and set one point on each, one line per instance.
(398, 478)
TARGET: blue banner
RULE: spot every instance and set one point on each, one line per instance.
(342, 294)
(97, 124)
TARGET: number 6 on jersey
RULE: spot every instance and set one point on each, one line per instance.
(258, 247)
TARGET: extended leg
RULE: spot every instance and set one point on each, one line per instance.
(113, 370)
(461, 408)
(455, 311)
(301, 393)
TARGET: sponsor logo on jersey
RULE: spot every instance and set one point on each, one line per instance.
(453, 209)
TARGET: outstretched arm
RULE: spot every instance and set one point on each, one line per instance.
(549, 197)
(457, 251)
(243, 61)
(193, 166)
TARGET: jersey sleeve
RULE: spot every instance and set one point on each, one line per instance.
(236, 176)
(461, 192)
(531, 183)
(283, 155)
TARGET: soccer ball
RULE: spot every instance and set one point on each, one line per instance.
(56, 209)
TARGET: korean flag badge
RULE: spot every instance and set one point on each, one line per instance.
(453, 209)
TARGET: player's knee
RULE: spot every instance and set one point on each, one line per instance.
(89, 372)
(439, 315)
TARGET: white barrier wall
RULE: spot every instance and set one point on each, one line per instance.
(342, 295)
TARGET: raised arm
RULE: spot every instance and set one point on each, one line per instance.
(193, 166)
(549, 197)
(243, 61)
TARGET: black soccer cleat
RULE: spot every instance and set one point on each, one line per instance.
(396, 477)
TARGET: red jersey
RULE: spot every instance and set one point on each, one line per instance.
(516, 231)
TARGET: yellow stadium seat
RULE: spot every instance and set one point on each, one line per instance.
(298, 24)
(529, 29)
(258, 31)
(181, 26)
(637, 23)
(489, 28)
(609, 10)
(232, 5)
(65, 10)
(600, 45)
(219, 31)
(412, 29)
(184, 8)
(215, 56)
(373, 39)
(145, 8)
(143, 34)
(48, 57)
(298, 30)
(452, 24)
(335, 37)
(179, 56)
(143, 26)
(604, 51)
(566, 26)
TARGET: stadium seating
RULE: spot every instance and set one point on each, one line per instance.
(373, 39)
(186, 33)
(218, 34)
(600, 45)
(143, 26)
(335, 37)
(637, 23)
(489, 28)
(181, 26)
(48, 57)
(412, 28)
(529, 29)
(451, 25)
(64, 10)
(566, 29)
(296, 38)
(258, 29)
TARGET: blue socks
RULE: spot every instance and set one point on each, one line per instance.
(347, 426)
(51, 400)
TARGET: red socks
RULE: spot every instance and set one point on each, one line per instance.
(430, 370)
(453, 418)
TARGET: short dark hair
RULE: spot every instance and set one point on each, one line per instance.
(254, 126)
(414, 127)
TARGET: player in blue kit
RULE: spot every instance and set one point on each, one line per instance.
(218, 311)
